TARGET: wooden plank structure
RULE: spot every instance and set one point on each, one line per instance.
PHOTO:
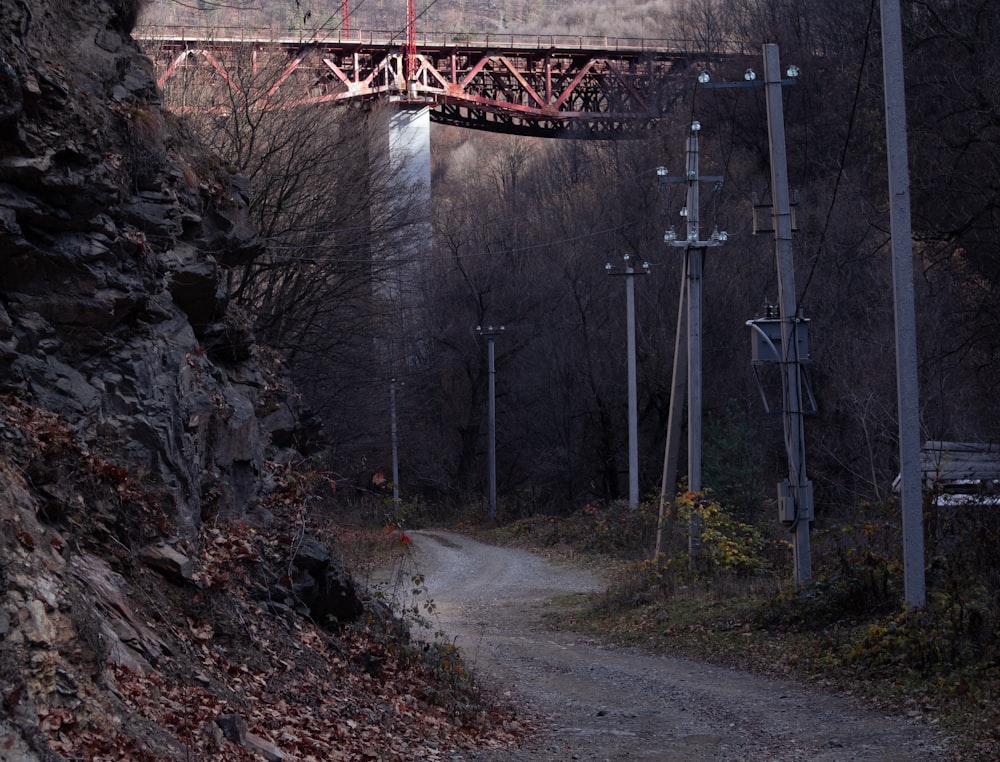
(960, 472)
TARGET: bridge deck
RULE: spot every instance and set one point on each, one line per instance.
(550, 85)
(563, 43)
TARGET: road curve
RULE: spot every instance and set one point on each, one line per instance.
(600, 702)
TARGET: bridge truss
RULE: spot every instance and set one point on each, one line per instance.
(550, 88)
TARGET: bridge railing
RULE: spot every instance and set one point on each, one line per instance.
(475, 40)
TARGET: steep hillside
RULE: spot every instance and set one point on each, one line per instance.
(115, 237)
(623, 18)
(164, 591)
(116, 644)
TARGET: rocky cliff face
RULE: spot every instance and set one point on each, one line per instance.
(115, 235)
(134, 405)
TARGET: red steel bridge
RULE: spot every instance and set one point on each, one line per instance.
(551, 86)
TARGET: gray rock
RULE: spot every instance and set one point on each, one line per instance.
(114, 313)
(233, 727)
(265, 748)
(322, 583)
(10, 92)
(311, 555)
(167, 560)
(154, 218)
(194, 285)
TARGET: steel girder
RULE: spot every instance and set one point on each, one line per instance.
(551, 92)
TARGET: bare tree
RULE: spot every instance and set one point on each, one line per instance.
(319, 175)
(524, 227)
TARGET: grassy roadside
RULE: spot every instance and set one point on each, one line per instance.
(846, 632)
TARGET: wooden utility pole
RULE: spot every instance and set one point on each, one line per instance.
(671, 451)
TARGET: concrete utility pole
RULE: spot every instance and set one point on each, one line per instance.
(695, 265)
(694, 258)
(633, 404)
(490, 333)
(911, 493)
(395, 443)
(795, 498)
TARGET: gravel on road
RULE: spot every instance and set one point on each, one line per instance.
(600, 702)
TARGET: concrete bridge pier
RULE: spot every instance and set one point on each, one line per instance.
(407, 248)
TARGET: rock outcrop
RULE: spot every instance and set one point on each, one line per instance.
(134, 403)
(116, 232)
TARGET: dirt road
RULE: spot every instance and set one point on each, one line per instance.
(601, 702)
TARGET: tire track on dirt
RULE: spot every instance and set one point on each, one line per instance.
(601, 702)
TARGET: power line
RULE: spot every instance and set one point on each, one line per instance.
(472, 255)
(843, 154)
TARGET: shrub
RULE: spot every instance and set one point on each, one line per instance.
(730, 550)
(611, 530)
(727, 545)
(867, 587)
